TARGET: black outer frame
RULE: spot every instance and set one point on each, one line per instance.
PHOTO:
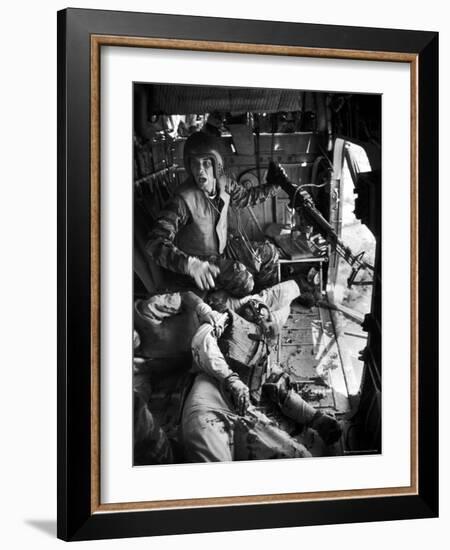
(75, 521)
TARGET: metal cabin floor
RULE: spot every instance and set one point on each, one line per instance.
(309, 353)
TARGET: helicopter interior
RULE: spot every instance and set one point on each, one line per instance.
(329, 144)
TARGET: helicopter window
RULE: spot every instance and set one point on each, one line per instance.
(356, 235)
(350, 291)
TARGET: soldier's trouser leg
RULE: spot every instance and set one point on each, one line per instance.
(302, 412)
(277, 389)
(295, 407)
(208, 437)
(212, 432)
(207, 424)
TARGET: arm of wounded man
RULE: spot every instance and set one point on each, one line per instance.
(204, 312)
(206, 352)
(161, 242)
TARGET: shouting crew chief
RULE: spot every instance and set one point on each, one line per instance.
(190, 237)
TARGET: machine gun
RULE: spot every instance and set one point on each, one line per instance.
(302, 201)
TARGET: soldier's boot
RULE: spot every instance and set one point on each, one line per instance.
(295, 407)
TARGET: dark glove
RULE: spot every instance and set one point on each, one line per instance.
(310, 293)
(327, 427)
(276, 175)
(239, 393)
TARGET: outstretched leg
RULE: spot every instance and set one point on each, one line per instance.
(207, 424)
(277, 389)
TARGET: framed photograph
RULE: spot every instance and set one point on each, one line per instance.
(247, 255)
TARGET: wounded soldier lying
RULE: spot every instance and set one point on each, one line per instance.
(221, 420)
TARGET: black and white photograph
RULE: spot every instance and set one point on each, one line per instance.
(257, 273)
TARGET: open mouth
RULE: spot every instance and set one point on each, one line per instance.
(202, 180)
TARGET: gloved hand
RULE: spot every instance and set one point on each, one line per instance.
(276, 175)
(203, 273)
(239, 393)
(327, 427)
(310, 293)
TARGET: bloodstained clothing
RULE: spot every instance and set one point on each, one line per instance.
(212, 431)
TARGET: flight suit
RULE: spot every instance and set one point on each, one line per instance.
(193, 224)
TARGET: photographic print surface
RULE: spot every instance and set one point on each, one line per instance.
(257, 273)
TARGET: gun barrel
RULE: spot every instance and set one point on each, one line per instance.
(306, 206)
(313, 216)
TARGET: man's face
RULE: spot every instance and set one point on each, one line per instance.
(255, 312)
(203, 171)
(259, 314)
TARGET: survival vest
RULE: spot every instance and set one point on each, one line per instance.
(206, 234)
(245, 350)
